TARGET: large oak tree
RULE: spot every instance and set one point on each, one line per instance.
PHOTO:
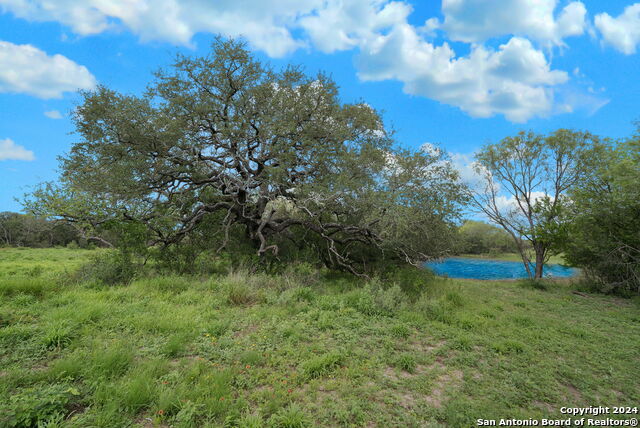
(227, 142)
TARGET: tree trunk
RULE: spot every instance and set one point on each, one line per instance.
(539, 262)
(523, 255)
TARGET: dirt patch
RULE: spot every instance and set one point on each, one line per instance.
(395, 375)
(246, 331)
(575, 395)
(427, 348)
(544, 406)
(444, 383)
(408, 401)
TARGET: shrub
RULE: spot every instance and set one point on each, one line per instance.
(411, 280)
(111, 268)
(375, 299)
(241, 289)
(301, 274)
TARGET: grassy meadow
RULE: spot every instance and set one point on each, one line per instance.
(304, 348)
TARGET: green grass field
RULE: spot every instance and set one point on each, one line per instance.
(302, 349)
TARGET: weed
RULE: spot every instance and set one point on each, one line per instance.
(111, 361)
(250, 420)
(251, 358)
(455, 299)
(175, 345)
(318, 353)
(290, 417)
(401, 331)
(57, 336)
(406, 362)
(321, 365)
(36, 406)
(509, 347)
(239, 292)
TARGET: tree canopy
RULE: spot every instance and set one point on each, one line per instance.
(602, 231)
(227, 147)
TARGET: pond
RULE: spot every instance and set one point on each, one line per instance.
(458, 267)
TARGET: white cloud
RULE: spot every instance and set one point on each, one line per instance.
(12, 151)
(27, 69)
(345, 25)
(53, 114)
(480, 20)
(465, 164)
(506, 204)
(623, 32)
(265, 24)
(516, 80)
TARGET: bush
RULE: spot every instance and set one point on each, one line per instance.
(110, 269)
(412, 281)
(375, 299)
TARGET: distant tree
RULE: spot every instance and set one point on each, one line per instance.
(602, 227)
(535, 172)
(478, 237)
(223, 143)
(21, 230)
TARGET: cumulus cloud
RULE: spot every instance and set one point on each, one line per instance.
(53, 114)
(345, 25)
(265, 24)
(466, 166)
(9, 150)
(622, 32)
(26, 69)
(515, 80)
(479, 20)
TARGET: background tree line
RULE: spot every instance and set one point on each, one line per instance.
(23, 230)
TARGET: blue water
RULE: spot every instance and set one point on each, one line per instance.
(455, 267)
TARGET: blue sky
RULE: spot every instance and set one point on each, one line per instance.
(458, 73)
